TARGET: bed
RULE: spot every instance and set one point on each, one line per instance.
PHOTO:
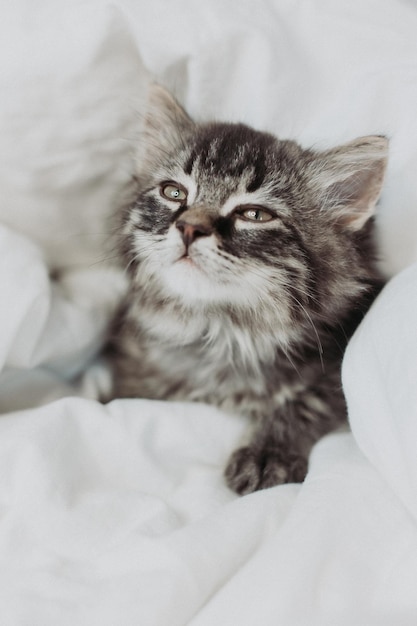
(118, 513)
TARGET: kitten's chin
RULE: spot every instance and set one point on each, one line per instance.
(188, 282)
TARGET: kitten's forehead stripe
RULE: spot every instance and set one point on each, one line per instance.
(225, 159)
(258, 177)
(189, 164)
(231, 149)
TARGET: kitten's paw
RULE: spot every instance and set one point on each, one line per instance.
(250, 469)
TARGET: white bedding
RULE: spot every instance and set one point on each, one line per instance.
(118, 514)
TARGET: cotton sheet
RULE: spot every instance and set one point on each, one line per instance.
(119, 514)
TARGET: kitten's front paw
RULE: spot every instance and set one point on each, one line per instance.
(250, 469)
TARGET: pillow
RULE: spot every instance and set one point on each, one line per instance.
(72, 84)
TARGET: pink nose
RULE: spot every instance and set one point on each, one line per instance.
(191, 232)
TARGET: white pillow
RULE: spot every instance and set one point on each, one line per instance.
(71, 84)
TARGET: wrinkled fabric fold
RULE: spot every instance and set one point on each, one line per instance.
(119, 514)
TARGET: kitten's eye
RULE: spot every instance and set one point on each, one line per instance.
(173, 191)
(254, 214)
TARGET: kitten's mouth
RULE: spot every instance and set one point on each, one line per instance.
(186, 257)
(191, 262)
(187, 262)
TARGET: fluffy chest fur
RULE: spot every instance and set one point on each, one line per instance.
(198, 358)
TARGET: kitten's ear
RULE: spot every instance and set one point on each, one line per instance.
(165, 124)
(349, 179)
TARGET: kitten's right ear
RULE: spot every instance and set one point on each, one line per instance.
(165, 125)
(349, 178)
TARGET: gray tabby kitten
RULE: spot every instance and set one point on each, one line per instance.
(251, 263)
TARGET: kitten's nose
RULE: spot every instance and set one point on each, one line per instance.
(190, 230)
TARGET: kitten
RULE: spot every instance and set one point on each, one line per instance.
(251, 263)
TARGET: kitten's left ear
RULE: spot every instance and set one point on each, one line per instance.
(349, 179)
(165, 125)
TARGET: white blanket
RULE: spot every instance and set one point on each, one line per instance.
(118, 514)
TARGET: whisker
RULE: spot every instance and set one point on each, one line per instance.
(291, 362)
(318, 340)
(104, 260)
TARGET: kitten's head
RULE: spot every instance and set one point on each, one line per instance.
(227, 218)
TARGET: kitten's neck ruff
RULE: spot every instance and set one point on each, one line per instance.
(246, 340)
